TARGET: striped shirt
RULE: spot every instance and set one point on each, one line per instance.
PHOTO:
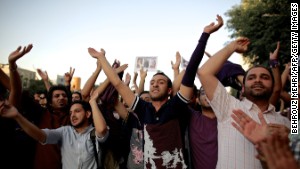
(235, 151)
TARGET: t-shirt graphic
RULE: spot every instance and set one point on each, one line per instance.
(159, 151)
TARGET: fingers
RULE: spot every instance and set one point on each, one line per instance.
(71, 71)
(220, 21)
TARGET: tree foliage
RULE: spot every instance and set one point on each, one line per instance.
(264, 22)
(36, 86)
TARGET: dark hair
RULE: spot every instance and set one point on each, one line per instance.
(85, 105)
(77, 92)
(259, 66)
(163, 74)
(57, 87)
(144, 92)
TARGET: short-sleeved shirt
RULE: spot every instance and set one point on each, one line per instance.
(235, 151)
(163, 138)
(203, 138)
(77, 149)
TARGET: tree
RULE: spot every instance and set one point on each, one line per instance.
(264, 22)
(36, 86)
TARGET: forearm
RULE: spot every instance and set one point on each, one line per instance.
(110, 73)
(102, 86)
(277, 86)
(15, 85)
(88, 86)
(47, 84)
(191, 69)
(175, 72)
(141, 86)
(121, 110)
(177, 83)
(32, 130)
(99, 121)
(284, 77)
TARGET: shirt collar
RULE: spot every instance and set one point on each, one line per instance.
(250, 105)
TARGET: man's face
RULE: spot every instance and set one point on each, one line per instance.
(159, 88)
(43, 100)
(59, 99)
(146, 97)
(75, 96)
(258, 84)
(78, 116)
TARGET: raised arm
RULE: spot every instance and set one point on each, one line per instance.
(176, 65)
(276, 73)
(15, 80)
(68, 78)
(186, 88)
(99, 121)
(88, 86)
(177, 82)
(106, 82)
(45, 78)
(285, 96)
(122, 89)
(9, 111)
(213, 65)
(134, 84)
(143, 75)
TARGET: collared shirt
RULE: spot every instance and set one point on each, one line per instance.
(77, 149)
(235, 151)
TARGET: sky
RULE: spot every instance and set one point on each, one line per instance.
(62, 30)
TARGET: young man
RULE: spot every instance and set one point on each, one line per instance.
(235, 151)
(161, 119)
(76, 147)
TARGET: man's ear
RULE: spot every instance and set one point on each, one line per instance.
(88, 114)
(169, 91)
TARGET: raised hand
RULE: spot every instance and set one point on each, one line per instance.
(277, 153)
(211, 28)
(121, 68)
(253, 131)
(69, 75)
(274, 55)
(95, 53)
(240, 45)
(43, 74)
(143, 73)
(7, 110)
(18, 53)
(127, 79)
(177, 62)
(94, 97)
(135, 75)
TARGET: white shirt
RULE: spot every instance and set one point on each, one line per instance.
(234, 150)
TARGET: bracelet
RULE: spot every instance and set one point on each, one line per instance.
(273, 63)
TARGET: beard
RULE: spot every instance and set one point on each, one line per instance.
(78, 125)
(265, 93)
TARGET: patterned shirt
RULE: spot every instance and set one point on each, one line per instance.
(235, 151)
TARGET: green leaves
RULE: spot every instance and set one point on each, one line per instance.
(264, 22)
